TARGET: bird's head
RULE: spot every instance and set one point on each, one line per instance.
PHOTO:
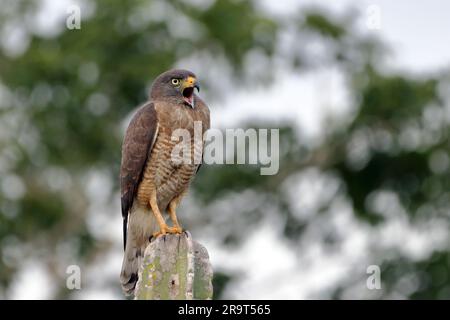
(175, 85)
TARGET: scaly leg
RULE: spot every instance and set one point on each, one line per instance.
(173, 216)
(163, 228)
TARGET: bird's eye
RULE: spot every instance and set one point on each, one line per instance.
(175, 82)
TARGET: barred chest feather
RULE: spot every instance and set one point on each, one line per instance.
(165, 171)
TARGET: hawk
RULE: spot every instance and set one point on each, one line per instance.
(152, 180)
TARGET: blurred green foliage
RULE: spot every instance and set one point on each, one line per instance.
(66, 97)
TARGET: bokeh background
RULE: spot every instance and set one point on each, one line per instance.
(359, 89)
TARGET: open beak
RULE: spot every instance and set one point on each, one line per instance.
(187, 90)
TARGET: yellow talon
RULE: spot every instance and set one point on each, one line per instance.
(175, 230)
(162, 231)
(168, 230)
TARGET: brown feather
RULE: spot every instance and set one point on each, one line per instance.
(138, 141)
(149, 170)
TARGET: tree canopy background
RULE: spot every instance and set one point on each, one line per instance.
(371, 189)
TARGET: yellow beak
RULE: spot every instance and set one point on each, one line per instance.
(190, 82)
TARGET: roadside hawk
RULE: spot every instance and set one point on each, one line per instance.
(153, 180)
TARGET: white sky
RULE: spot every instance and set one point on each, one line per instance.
(416, 31)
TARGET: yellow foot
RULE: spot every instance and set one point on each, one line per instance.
(162, 231)
(167, 230)
(176, 229)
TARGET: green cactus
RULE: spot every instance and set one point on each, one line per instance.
(174, 267)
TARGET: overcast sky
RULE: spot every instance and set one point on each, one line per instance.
(417, 32)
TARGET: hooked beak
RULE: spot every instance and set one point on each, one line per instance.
(187, 90)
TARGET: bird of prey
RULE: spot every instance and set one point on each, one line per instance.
(152, 181)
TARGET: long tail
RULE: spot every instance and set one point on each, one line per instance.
(141, 225)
